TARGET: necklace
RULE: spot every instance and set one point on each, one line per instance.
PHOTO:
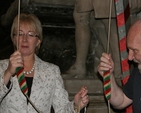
(29, 72)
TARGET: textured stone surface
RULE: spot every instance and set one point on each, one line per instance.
(61, 2)
(97, 104)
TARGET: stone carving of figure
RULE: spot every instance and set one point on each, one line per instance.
(82, 17)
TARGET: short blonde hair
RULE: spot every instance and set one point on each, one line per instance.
(31, 20)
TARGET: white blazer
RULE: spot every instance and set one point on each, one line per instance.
(47, 90)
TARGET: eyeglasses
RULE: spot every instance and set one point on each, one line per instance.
(30, 34)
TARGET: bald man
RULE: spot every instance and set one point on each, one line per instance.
(131, 91)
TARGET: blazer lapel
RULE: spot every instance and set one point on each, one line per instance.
(38, 81)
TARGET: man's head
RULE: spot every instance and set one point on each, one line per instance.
(134, 42)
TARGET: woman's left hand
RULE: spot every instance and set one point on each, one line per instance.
(81, 98)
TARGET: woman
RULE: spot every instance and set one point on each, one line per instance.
(45, 85)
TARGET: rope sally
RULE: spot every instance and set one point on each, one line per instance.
(19, 70)
(21, 80)
(106, 75)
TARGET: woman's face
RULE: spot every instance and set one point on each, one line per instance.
(28, 40)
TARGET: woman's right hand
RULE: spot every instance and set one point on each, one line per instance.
(15, 61)
(106, 63)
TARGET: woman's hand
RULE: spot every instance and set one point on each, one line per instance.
(106, 63)
(81, 99)
(15, 61)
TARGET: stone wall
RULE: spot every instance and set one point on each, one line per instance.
(97, 104)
